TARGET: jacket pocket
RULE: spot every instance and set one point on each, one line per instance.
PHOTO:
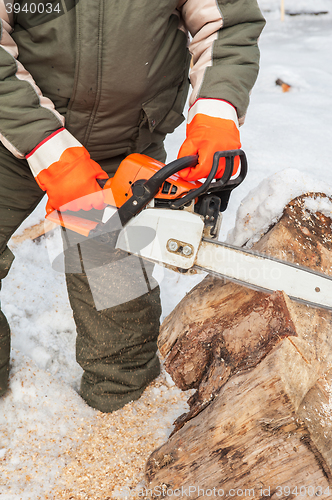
(161, 115)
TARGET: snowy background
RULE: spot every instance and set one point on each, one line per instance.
(44, 424)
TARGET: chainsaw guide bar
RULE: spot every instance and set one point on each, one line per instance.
(264, 273)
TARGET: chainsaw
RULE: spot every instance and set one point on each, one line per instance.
(156, 215)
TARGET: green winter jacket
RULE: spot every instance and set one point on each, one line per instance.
(116, 71)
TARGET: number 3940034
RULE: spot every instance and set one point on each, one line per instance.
(33, 8)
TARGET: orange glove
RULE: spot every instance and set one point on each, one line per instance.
(70, 182)
(207, 134)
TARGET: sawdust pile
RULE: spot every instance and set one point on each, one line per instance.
(110, 462)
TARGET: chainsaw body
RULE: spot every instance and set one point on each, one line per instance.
(141, 181)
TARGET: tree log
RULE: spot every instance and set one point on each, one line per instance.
(260, 420)
(34, 232)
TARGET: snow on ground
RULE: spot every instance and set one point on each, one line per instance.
(46, 430)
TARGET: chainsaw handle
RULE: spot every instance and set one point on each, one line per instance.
(229, 159)
(155, 182)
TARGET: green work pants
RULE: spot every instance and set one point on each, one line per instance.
(116, 346)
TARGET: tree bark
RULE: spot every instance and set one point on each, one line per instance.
(260, 420)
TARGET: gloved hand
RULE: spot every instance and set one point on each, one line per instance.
(70, 182)
(207, 134)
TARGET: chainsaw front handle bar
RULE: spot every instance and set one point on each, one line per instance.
(222, 182)
(219, 185)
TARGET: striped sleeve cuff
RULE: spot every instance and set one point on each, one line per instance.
(216, 108)
(50, 149)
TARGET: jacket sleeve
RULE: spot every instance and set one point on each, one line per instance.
(26, 116)
(224, 48)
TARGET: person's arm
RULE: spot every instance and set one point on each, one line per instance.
(225, 67)
(31, 128)
(26, 116)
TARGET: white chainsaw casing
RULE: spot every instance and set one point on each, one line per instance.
(181, 226)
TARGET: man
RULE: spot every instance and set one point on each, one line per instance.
(84, 83)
